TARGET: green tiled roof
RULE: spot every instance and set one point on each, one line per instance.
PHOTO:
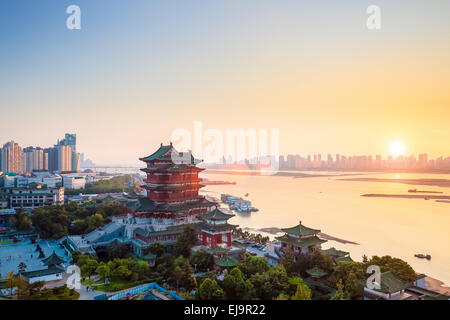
(147, 233)
(227, 262)
(316, 272)
(219, 249)
(304, 242)
(340, 259)
(391, 284)
(149, 256)
(334, 252)
(217, 214)
(44, 272)
(159, 153)
(301, 230)
(53, 259)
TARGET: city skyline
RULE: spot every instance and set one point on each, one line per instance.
(134, 73)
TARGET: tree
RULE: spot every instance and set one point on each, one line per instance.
(303, 291)
(203, 260)
(156, 248)
(236, 288)
(123, 272)
(340, 293)
(10, 282)
(210, 290)
(287, 260)
(118, 250)
(397, 266)
(21, 220)
(186, 241)
(103, 271)
(252, 265)
(141, 268)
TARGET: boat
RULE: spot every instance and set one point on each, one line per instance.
(412, 190)
(422, 256)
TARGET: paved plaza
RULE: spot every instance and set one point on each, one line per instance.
(11, 255)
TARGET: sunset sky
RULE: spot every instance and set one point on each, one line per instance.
(137, 70)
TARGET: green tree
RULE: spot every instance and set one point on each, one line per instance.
(340, 293)
(21, 220)
(103, 271)
(236, 287)
(303, 291)
(287, 260)
(397, 266)
(203, 260)
(252, 265)
(186, 241)
(210, 290)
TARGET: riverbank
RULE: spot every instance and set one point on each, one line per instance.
(406, 196)
(418, 182)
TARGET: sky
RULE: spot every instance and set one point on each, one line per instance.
(138, 70)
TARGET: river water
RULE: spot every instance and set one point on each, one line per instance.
(380, 226)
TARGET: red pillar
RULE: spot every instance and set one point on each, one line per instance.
(213, 242)
(229, 239)
(204, 242)
(219, 238)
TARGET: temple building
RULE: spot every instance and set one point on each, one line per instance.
(300, 239)
(172, 186)
(338, 255)
(54, 270)
(215, 229)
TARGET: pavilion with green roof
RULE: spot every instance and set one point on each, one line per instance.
(391, 287)
(316, 272)
(337, 255)
(227, 262)
(215, 228)
(300, 239)
(53, 271)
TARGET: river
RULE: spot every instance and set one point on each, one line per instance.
(380, 226)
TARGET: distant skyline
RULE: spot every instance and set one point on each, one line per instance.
(138, 70)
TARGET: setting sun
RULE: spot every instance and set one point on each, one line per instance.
(397, 148)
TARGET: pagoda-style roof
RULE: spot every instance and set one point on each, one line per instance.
(146, 205)
(301, 231)
(216, 227)
(172, 168)
(217, 214)
(180, 187)
(164, 153)
(341, 259)
(335, 252)
(227, 262)
(53, 260)
(219, 250)
(149, 256)
(148, 233)
(316, 272)
(301, 242)
(391, 284)
(53, 269)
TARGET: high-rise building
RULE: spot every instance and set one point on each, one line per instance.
(33, 159)
(64, 158)
(12, 158)
(70, 140)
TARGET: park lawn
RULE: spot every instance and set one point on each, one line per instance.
(114, 285)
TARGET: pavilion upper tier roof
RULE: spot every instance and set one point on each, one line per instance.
(172, 167)
(168, 153)
(53, 259)
(301, 230)
(147, 205)
(217, 214)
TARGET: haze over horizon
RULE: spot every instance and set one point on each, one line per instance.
(137, 71)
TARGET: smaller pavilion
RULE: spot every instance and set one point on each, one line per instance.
(300, 239)
(215, 229)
